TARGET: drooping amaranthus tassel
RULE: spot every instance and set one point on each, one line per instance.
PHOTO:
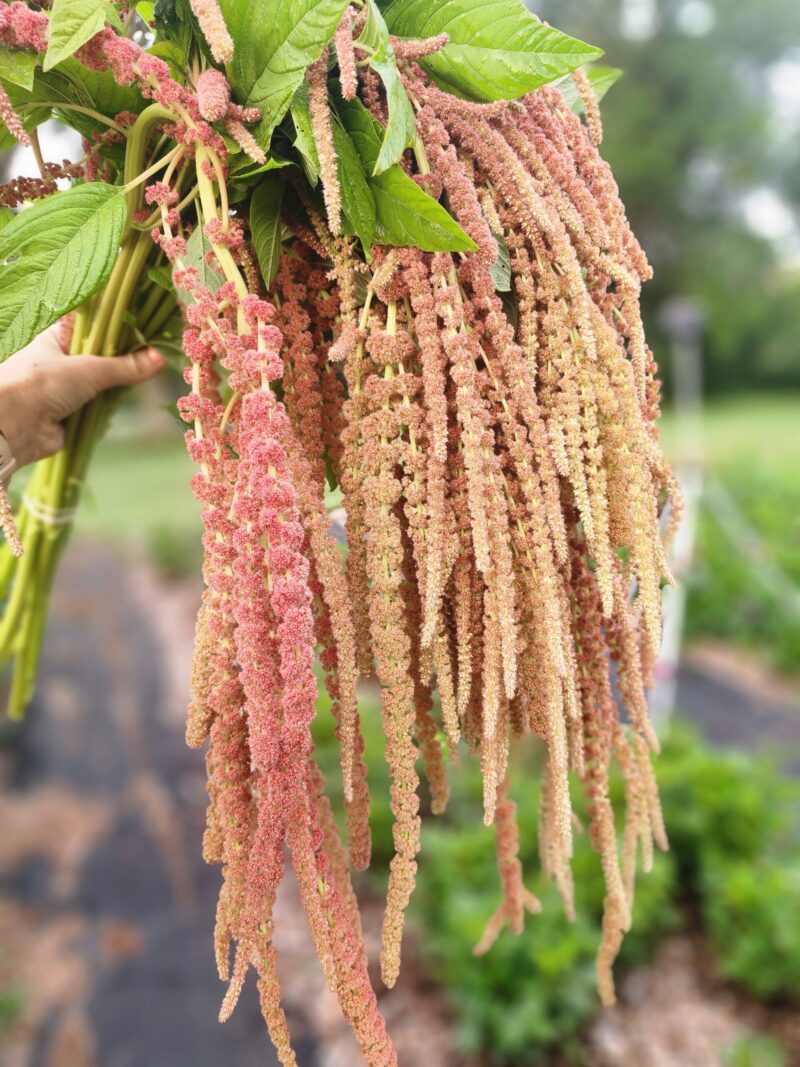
(12, 120)
(7, 523)
(345, 56)
(516, 898)
(23, 27)
(591, 108)
(382, 449)
(317, 77)
(215, 31)
(541, 473)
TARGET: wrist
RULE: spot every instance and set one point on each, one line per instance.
(19, 435)
(8, 462)
(10, 437)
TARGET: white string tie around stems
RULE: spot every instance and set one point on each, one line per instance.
(46, 513)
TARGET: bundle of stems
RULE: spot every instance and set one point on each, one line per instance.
(101, 326)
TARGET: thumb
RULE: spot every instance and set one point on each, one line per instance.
(109, 372)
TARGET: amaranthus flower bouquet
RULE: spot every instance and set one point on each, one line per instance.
(403, 271)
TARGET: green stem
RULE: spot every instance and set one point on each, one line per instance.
(162, 315)
(123, 296)
(208, 202)
(107, 301)
(138, 138)
(149, 307)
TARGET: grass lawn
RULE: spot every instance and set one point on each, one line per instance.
(760, 434)
(752, 449)
(137, 488)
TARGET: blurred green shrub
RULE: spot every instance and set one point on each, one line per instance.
(727, 599)
(753, 1051)
(751, 911)
(175, 552)
(735, 862)
(10, 1009)
(733, 821)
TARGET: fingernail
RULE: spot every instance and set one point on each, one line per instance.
(156, 358)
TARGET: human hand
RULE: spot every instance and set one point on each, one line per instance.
(40, 386)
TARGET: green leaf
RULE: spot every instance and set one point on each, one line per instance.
(72, 83)
(197, 247)
(146, 11)
(6, 216)
(274, 44)
(265, 226)
(304, 134)
(358, 203)
(600, 78)
(53, 256)
(18, 67)
(405, 215)
(162, 277)
(401, 129)
(500, 270)
(273, 163)
(72, 24)
(408, 216)
(113, 16)
(496, 51)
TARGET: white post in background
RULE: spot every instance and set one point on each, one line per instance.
(682, 320)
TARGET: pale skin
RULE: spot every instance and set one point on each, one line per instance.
(41, 386)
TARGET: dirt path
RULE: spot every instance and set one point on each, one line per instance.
(734, 702)
(106, 908)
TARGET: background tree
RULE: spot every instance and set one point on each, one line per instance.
(704, 143)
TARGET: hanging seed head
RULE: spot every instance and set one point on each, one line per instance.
(215, 31)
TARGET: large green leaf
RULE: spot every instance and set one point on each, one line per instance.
(358, 203)
(401, 129)
(265, 226)
(600, 78)
(496, 51)
(304, 134)
(72, 24)
(275, 41)
(18, 67)
(72, 83)
(53, 256)
(405, 215)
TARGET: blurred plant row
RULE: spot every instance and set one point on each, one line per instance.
(734, 872)
(744, 585)
(729, 597)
